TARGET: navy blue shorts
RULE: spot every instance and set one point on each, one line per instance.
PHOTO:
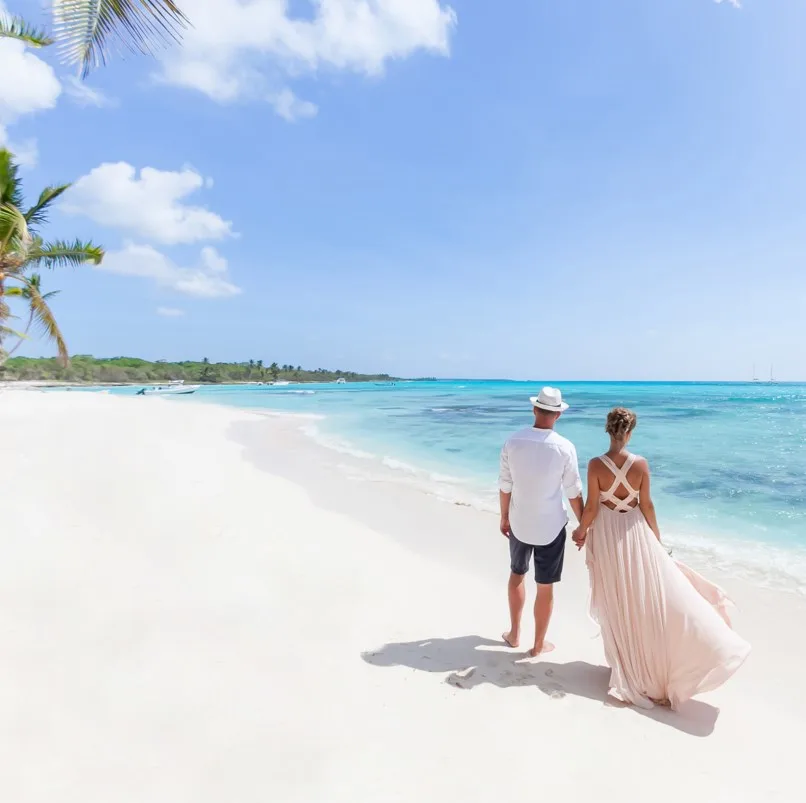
(548, 559)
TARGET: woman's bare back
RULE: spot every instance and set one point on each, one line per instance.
(607, 476)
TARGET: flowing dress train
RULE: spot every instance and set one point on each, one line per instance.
(665, 628)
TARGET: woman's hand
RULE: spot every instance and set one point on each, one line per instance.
(505, 528)
(579, 537)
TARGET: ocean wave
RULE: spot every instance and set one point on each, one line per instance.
(399, 465)
(758, 563)
(334, 443)
(283, 414)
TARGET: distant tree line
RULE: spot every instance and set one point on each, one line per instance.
(86, 369)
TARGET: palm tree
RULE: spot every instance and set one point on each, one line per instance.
(88, 30)
(23, 252)
(274, 370)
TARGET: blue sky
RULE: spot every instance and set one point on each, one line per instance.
(527, 189)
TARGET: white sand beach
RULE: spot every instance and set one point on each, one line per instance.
(201, 605)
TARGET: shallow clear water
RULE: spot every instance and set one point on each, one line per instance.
(728, 460)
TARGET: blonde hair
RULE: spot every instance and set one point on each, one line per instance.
(620, 422)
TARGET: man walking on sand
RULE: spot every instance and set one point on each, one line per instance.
(537, 465)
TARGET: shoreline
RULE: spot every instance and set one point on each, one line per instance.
(752, 561)
(755, 560)
(201, 605)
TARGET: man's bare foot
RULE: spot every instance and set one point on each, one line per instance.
(542, 649)
(510, 641)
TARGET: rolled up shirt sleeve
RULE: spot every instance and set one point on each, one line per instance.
(504, 474)
(572, 482)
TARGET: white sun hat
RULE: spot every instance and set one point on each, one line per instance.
(550, 399)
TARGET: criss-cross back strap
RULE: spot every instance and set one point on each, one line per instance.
(620, 478)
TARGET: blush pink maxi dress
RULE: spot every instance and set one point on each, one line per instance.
(665, 628)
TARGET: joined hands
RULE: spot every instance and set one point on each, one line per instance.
(579, 536)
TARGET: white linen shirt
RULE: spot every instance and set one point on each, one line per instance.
(537, 465)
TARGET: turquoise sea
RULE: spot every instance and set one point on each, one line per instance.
(728, 460)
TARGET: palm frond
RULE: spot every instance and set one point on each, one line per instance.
(31, 284)
(37, 215)
(14, 235)
(10, 185)
(89, 28)
(12, 27)
(42, 318)
(59, 254)
(6, 331)
(33, 280)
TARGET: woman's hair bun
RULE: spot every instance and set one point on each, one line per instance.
(620, 422)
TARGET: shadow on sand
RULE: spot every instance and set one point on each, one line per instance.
(473, 661)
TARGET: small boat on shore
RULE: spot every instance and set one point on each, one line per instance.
(175, 388)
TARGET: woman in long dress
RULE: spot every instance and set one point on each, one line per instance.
(665, 629)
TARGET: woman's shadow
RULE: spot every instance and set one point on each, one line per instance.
(473, 661)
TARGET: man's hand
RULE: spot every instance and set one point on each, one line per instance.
(579, 537)
(506, 530)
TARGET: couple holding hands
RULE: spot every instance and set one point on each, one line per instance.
(665, 628)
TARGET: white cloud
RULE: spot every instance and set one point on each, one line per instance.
(29, 86)
(237, 47)
(290, 107)
(85, 95)
(150, 205)
(170, 312)
(209, 279)
(26, 152)
(734, 3)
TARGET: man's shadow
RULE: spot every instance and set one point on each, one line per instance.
(473, 661)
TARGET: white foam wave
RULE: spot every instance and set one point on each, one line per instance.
(334, 443)
(283, 414)
(399, 465)
(757, 562)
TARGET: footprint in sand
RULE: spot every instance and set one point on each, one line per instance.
(462, 680)
(554, 691)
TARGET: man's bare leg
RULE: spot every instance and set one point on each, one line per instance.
(517, 599)
(544, 605)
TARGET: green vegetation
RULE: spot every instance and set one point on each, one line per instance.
(88, 30)
(86, 369)
(23, 253)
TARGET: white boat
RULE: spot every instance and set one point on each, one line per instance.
(281, 383)
(175, 388)
(341, 381)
